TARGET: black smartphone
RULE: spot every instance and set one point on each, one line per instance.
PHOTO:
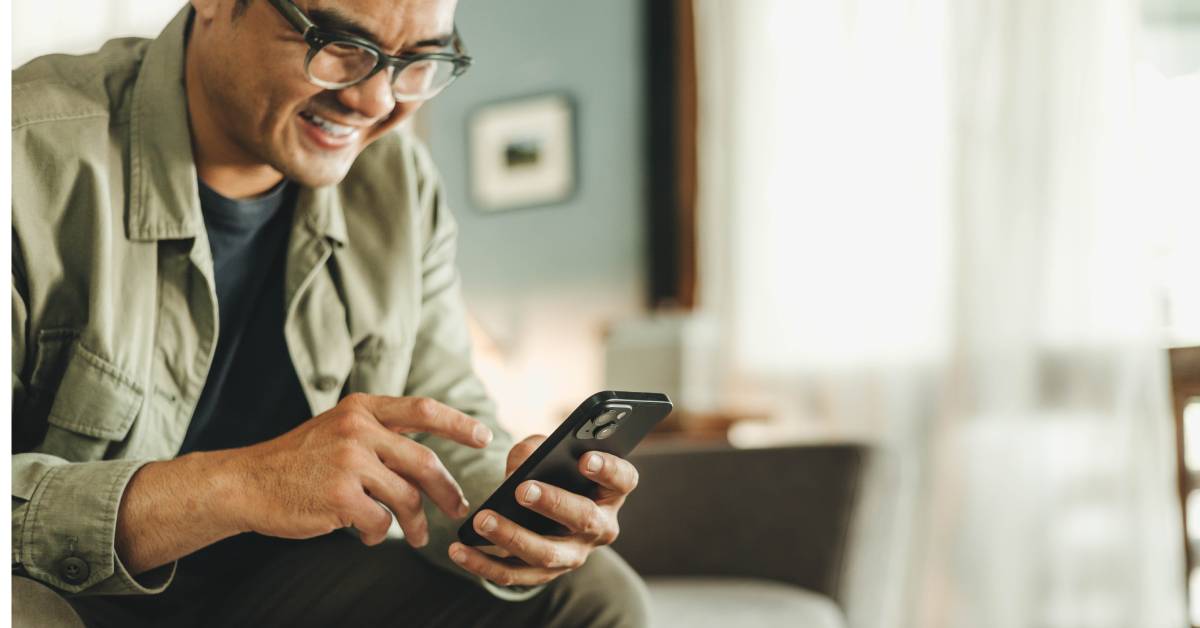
(610, 421)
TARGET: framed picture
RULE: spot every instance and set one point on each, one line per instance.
(522, 152)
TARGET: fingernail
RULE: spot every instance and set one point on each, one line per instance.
(595, 463)
(532, 493)
(483, 435)
(463, 507)
(488, 524)
(457, 555)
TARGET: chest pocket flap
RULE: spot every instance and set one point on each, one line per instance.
(95, 403)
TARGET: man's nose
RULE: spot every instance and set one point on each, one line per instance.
(371, 98)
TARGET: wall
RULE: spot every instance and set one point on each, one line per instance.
(542, 282)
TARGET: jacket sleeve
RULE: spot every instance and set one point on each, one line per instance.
(441, 369)
(64, 514)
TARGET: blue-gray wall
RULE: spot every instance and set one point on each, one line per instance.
(592, 244)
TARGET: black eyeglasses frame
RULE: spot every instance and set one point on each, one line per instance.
(317, 38)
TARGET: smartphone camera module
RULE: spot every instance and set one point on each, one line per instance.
(605, 424)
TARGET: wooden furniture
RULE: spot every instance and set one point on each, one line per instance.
(1185, 387)
(700, 427)
(671, 115)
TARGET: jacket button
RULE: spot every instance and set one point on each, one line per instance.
(74, 569)
(325, 383)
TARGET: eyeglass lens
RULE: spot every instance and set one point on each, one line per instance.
(341, 64)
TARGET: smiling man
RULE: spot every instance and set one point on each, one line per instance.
(239, 345)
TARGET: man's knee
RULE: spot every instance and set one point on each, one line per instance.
(35, 604)
(606, 591)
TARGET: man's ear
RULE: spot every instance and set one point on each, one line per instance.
(206, 10)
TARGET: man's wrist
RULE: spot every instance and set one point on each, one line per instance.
(171, 508)
(224, 498)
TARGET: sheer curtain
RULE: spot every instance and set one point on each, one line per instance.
(921, 226)
(81, 26)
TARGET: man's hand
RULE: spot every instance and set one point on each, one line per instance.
(328, 472)
(592, 522)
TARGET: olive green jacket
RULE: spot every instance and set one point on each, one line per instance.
(114, 314)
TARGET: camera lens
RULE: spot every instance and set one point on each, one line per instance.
(606, 431)
(608, 417)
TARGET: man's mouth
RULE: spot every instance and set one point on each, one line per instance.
(333, 132)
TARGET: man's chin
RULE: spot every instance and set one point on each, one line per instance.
(317, 172)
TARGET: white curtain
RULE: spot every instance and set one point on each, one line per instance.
(81, 26)
(921, 226)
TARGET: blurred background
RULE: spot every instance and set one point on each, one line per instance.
(959, 236)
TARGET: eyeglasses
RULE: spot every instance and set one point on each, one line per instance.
(339, 60)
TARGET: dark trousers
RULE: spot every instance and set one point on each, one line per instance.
(334, 580)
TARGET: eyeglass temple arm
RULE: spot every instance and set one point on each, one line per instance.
(294, 15)
(460, 47)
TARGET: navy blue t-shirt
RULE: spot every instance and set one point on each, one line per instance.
(252, 393)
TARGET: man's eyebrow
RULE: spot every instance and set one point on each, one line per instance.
(334, 20)
(440, 42)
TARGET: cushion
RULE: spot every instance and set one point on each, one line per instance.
(697, 602)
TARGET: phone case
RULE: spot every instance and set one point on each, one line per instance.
(556, 461)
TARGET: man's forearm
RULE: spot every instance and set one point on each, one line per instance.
(174, 507)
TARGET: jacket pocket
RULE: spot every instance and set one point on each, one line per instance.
(30, 411)
(53, 350)
(380, 367)
(95, 405)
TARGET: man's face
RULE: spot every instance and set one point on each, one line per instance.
(250, 73)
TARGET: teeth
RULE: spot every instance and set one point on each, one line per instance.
(334, 129)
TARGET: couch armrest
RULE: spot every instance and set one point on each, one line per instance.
(782, 514)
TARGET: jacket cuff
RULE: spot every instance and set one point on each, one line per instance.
(68, 538)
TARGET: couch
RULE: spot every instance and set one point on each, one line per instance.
(743, 537)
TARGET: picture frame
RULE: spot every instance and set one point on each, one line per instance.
(522, 152)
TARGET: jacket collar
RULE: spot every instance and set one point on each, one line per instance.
(164, 202)
(321, 210)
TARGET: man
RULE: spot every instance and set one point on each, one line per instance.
(237, 329)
